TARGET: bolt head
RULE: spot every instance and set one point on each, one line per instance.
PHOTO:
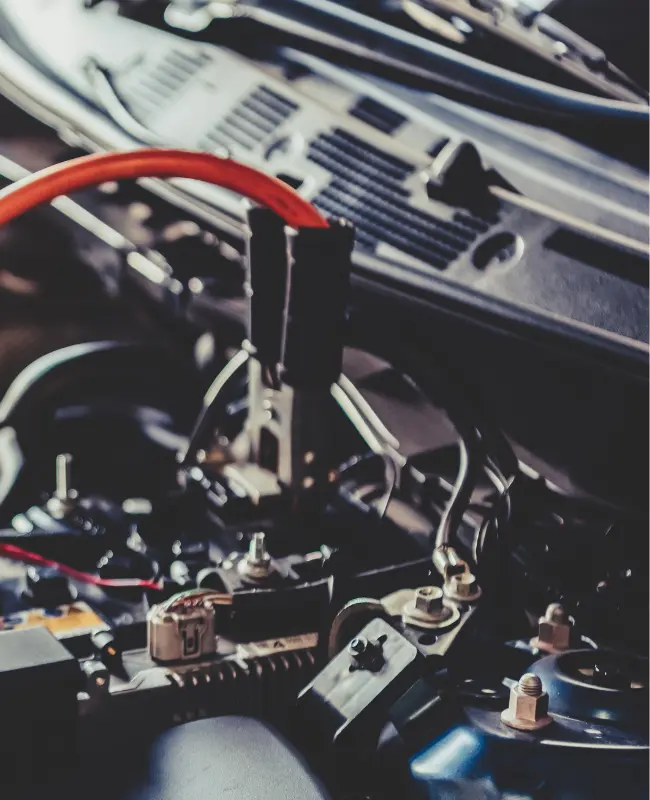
(358, 646)
(552, 636)
(462, 587)
(527, 711)
(429, 599)
(528, 707)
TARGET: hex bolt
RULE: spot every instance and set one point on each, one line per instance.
(427, 609)
(462, 588)
(554, 630)
(365, 654)
(528, 706)
(358, 646)
(429, 600)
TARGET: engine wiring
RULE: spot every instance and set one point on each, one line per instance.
(194, 597)
(483, 446)
(15, 553)
(79, 173)
(75, 174)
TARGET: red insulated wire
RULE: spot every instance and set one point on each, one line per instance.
(48, 183)
(16, 553)
(43, 186)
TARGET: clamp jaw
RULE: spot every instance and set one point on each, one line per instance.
(297, 286)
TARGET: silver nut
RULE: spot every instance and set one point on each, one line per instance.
(528, 706)
(554, 630)
(462, 587)
(429, 600)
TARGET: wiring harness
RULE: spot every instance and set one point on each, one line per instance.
(79, 173)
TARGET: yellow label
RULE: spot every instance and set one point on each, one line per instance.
(64, 620)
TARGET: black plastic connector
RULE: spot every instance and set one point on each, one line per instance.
(318, 298)
(267, 283)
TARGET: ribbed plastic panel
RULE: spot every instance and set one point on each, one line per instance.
(251, 121)
(159, 84)
(367, 188)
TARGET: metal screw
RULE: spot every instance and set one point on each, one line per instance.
(528, 705)
(257, 553)
(531, 685)
(358, 646)
(429, 600)
(554, 630)
(63, 474)
(462, 587)
(427, 609)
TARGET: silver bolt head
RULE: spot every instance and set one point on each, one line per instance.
(429, 600)
(358, 646)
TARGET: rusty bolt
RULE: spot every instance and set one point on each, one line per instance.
(462, 588)
(554, 630)
(427, 609)
(528, 706)
(429, 600)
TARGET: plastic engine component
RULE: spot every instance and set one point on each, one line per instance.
(226, 757)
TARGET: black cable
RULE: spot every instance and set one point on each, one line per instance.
(481, 442)
(390, 42)
(460, 498)
(500, 515)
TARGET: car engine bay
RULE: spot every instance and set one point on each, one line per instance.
(323, 411)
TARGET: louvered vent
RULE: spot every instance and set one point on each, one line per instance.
(367, 188)
(160, 83)
(379, 116)
(251, 121)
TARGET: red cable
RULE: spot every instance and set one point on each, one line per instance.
(16, 553)
(48, 183)
(43, 186)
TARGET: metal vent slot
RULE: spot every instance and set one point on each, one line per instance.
(251, 121)
(367, 187)
(379, 116)
(156, 87)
